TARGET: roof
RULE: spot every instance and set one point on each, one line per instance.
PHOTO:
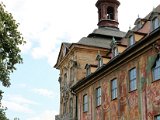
(118, 59)
(67, 44)
(147, 18)
(157, 9)
(96, 42)
(108, 31)
(102, 37)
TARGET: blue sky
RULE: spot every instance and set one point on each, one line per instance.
(34, 92)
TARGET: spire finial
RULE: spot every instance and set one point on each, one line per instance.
(113, 43)
(129, 27)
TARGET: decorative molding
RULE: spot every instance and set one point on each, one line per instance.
(156, 46)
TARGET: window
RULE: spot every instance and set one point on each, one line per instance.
(157, 117)
(85, 103)
(99, 14)
(139, 25)
(88, 70)
(131, 40)
(156, 69)
(115, 51)
(65, 77)
(100, 62)
(71, 105)
(114, 88)
(110, 13)
(98, 96)
(132, 79)
(155, 23)
(64, 108)
(72, 74)
(64, 51)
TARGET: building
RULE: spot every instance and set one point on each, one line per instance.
(112, 75)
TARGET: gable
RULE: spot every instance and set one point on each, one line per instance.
(62, 53)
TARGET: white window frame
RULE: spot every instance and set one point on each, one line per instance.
(88, 70)
(98, 96)
(139, 25)
(157, 117)
(155, 23)
(72, 73)
(133, 79)
(114, 89)
(71, 105)
(85, 103)
(131, 40)
(115, 51)
(100, 61)
(156, 69)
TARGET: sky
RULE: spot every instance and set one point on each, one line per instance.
(45, 24)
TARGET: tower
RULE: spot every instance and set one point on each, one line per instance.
(108, 13)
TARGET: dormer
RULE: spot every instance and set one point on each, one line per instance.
(116, 47)
(139, 23)
(133, 37)
(155, 20)
(99, 60)
(90, 68)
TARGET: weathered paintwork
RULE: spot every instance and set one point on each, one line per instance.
(141, 104)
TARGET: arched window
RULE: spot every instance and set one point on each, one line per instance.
(65, 77)
(99, 17)
(114, 51)
(72, 74)
(64, 107)
(110, 13)
(71, 105)
(156, 69)
(100, 60)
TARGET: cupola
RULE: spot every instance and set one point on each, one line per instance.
(108, 13)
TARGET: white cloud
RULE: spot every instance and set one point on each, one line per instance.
(20, 99)
(44, 92)
(16, 107)
(45, 115)
(18, 103)
(42, 22)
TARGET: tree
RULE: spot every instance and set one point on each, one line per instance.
(2, 114)
(2, 109)
(10, 39)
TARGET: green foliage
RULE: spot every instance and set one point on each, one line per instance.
(2, 109)
(2, 114)
(10, 39)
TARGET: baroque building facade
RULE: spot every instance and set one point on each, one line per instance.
(110, 74)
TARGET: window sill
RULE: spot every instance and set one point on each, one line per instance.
(133, 90)
(85, 111)
(114, 99)
(155, 80)
(98, 106)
